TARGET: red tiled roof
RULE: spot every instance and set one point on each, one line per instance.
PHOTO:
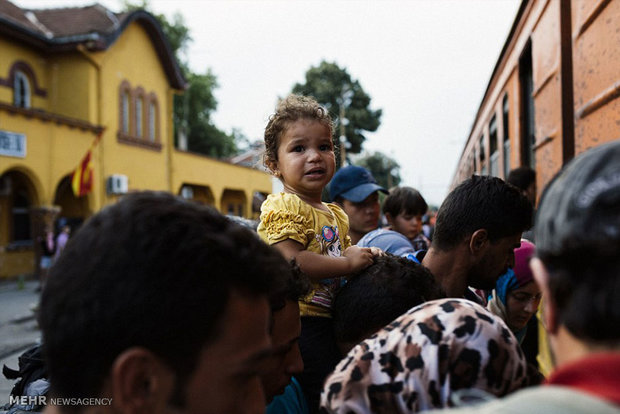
(95, 26)
(15, 14)
(78, 20)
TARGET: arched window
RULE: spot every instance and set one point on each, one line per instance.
(21, 90)
(153, 119)
(152, 115)
(125, 112)
(124, 119)
(139, 117)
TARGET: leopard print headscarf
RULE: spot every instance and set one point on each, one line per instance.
(417, 362)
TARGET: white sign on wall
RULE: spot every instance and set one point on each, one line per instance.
(12, 144)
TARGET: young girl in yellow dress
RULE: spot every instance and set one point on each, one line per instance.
(299, 151)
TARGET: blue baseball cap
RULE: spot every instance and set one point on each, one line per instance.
(353, 183)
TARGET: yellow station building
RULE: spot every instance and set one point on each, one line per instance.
(80, 79)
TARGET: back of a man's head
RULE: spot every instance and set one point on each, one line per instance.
(379, 294)
(481, 202)
(522, 177)
(151, 271)
(578, 241)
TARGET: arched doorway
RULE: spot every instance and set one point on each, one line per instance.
(198, 193)
(233, 203)
(73, 210)
(18, 200)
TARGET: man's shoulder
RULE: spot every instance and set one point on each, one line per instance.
(545, 399)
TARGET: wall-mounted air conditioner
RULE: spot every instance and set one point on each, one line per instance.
(117, 184)
(187, 192)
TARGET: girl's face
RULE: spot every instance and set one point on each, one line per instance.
(410, 225)
(306, 160)
(521, 305)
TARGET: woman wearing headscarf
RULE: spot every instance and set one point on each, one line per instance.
(516, 296)
(417, 362)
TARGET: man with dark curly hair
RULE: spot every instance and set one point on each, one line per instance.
(379, 294)
(479, 225)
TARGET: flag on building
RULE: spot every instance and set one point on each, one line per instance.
(82, 178)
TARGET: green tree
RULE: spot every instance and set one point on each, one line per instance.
(333, 87)
(385, 169)
(193, 109)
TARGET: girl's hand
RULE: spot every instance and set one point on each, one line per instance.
(358, 257)
(377, 251)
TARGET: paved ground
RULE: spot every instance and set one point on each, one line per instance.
(18, 327)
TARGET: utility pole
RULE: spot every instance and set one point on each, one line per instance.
(344, 100)
(343, 137)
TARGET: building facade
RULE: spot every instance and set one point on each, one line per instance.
(78, 81)
(554, 92)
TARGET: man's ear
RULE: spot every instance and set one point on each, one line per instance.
(140, 382)
(541, 276)
(478, 241)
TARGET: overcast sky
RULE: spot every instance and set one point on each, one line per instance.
(425, 63)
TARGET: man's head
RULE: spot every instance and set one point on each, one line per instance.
(486, 216)
(285, 360)
(356, 190)
(158, 303)
(578, 240)
(524, 178)
(403, 209)
(379, 294)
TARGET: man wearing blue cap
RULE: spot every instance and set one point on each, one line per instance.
(357, 192)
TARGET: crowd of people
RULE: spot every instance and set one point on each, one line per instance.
(163, 305)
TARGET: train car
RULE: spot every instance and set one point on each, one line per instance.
(554, 92)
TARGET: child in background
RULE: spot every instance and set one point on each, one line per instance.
(403, 209)
(299, 151)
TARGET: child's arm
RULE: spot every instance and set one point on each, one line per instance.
(318, 267)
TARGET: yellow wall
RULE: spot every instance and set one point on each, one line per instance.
(16, 263)
(146, 168)
(218, 176)
(72, 87)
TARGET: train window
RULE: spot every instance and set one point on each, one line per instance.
(493, 149)
(482, 157)
(505, 110)
(528, 124)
